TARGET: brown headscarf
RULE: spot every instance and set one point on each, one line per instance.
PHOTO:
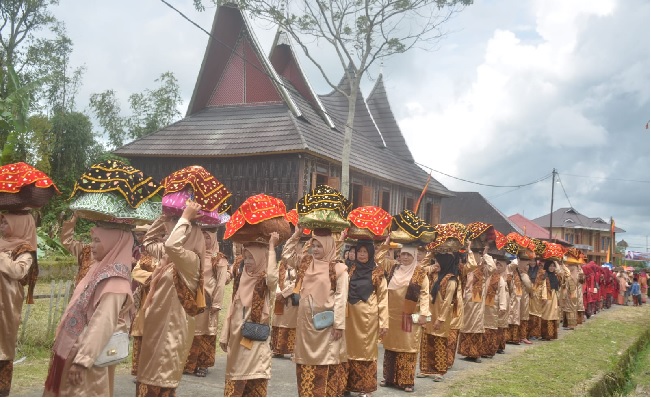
(109, 275)
(250, 277)
(22, 230)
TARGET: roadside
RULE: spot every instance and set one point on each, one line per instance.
(542, 369)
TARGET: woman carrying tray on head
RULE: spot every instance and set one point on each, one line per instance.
(100, 299)
(408, 293)
(175, 297)
(18, 267)
(367, 319)
(248, 361)
(320, 355)
(204, 344)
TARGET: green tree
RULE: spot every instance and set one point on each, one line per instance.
(151, 110)
(358, 34)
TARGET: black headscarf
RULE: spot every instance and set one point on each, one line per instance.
(361, 282)
(533, 272)
(449, 264)
(553, 279)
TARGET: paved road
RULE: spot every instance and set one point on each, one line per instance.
(283, 379)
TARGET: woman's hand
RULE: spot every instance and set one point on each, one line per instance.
(336, 334)
(223, 346)
(437, 325)
(191, 210)
(422, 320)
(274, 238)
(383, 332)
(76, 374)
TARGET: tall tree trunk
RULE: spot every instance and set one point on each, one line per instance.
(348, 139)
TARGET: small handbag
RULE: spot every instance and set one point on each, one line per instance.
(115, 351)
(323, 319)
(254, 331)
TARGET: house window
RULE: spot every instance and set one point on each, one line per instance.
(356, 195)
(605, 243)
(321, 179)
(569, 238)
(385, 201)
(409, 204)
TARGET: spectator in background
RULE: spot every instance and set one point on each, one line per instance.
(636, 293)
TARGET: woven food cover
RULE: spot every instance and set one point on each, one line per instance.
(554, 251)
(574, 256)
(407, 227)
(256, 219)
(116, 177)
(22, 185)
(112, 207)
(208, 192)
(449, 237)
(480, 233)
(323, 207)
(500, 240)
(174, 203)
(539, 246)
(369, 222)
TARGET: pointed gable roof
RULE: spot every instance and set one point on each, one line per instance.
(568, 217)
(234, 70)
(378, 105)
(283, 59)
(337, 105)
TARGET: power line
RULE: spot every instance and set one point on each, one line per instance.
(604, 178)
(564, 192)
(485, 185)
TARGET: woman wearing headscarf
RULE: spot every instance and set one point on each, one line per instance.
(623, 285)
(408, 293)
(248, 362)
(320, 355)
(538, 295)
(18, 267)
(283, 331)
(524, 303)
(204, 344)
(433, 349)
(152, 252)
(93, 314)
(569, 296)
(476, 272)
(457, 314)
(349, 256)
(494, 305)
(366, 320)
(503, 314)
(516, 291)
(549, 314)
(175, 297)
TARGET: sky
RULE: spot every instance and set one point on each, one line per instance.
(516, 89)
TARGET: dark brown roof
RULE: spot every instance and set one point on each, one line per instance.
(568, 217)
(293, 125)
(467, 207)
(378, 105)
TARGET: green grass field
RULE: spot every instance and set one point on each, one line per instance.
(568, 367)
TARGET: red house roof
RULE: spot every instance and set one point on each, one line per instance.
(531, 229)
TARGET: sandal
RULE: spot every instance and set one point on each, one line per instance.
(422, 376)
(437, 378)
(409, 389)
(383, 383)
(201, 372)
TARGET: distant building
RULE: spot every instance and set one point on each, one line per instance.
(590, 234)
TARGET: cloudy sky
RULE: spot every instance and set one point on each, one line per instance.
(516, 89)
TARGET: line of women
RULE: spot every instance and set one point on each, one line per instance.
(333, 314)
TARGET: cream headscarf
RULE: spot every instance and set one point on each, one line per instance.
(22, 229)
(402, 275)
(318, 274)
(251, 277)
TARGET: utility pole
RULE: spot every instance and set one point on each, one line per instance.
(552, 208)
